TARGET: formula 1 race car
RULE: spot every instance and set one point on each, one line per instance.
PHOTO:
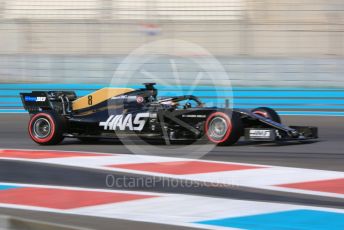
(124, 113)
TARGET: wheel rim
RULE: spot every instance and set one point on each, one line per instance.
(41, 128)
(218, 128)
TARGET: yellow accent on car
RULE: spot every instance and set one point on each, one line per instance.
(98, 97)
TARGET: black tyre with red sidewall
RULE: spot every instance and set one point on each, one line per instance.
(47, 128)
(223, 129)
(268, 113)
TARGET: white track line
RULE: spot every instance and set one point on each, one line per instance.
(267, 177)
(172, 209)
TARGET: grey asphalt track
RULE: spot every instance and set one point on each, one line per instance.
(83, 222)
(327, 153)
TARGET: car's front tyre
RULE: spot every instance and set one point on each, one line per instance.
(46, 128)
(222, 129)
(267, 113)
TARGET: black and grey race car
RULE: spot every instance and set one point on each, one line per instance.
(128, 113)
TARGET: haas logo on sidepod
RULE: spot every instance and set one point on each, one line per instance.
(123, 122)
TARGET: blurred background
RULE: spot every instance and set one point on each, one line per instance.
(281, 45)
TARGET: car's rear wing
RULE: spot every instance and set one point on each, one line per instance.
(48, 100)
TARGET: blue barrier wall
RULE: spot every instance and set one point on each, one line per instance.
(287, 101)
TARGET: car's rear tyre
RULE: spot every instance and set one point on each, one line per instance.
(222, 129)
(46, 128)
(268, 113)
